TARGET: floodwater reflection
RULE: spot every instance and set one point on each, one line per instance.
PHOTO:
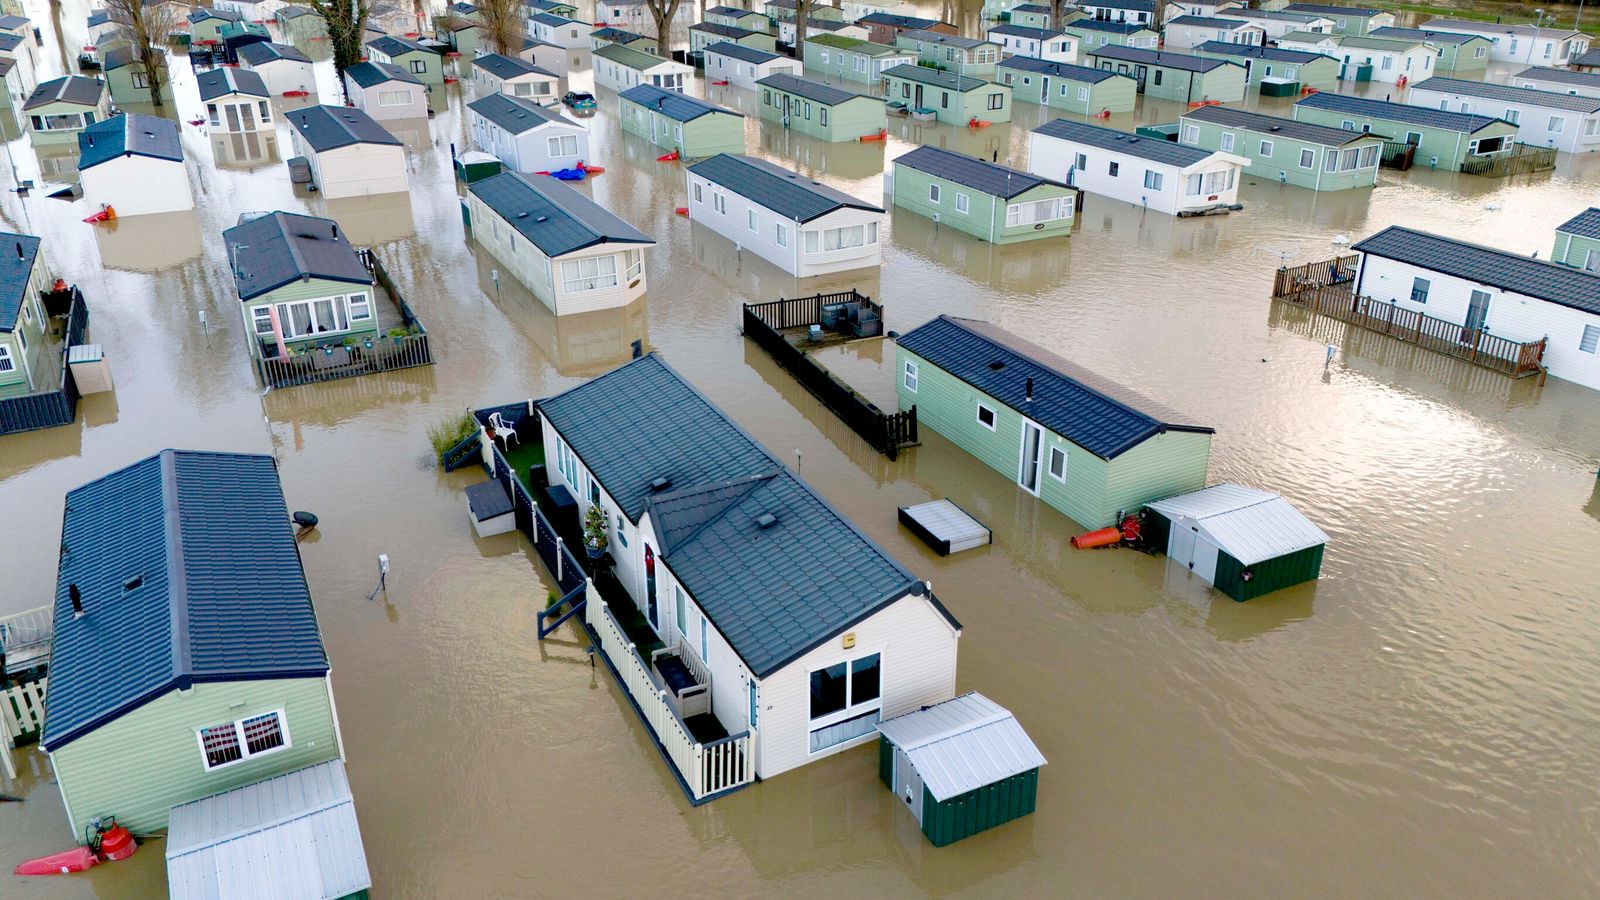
(149, 243)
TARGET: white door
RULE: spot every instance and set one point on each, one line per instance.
(1204, 562)
(907, 784)
(1180, 546)
(1032, 448)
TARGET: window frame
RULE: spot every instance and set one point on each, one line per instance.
(910, 376)
(239, 736)
(993, 416)
(1056, 451)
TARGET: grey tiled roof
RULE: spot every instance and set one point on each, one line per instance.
(773, 593)
(1511, 272)
(129, 134)
(551, 19)
(1424, 35)
(925, 75)
(741, 52)
(1183, 61)
(1335, 11)
(826, 94)
(225, 80)
(1095, 413)
(263, 52)
(202, 13)
(392, 46)
(1269, 126)
(1087, 74)
(367, 74)
(1276, 54)
(279, 248)
(502, 66)
(1504, 28)
(1560, 76)
(1590, 58)
(894, 20)
(515, 114)
(1038, 34)
(1122, 28)
(727, 31)
(1130, 5)
(673, 105)
(1208, 22)
(67, 89)
(1160, 151)
(787, 193)
(1509, 94)
(331, 127)
(1032, 8)
(556, 218)
(980, 175)
(188, 571)
(17, 255)
(946, 40)
(1399, 112)
(730, 11)
(615, 35)
(1584, 224)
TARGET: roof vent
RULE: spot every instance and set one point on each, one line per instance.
(19, 251)
(522, 215)
(542, 219)
(76, 596)
(132, 584)
(766, 520)
(997, 365)
(1276, 128)
(661, 484)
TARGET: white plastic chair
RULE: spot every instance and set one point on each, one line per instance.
(503, 429)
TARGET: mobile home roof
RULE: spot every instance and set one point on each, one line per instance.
(980, 175)
(787, 193)
(1511, 272)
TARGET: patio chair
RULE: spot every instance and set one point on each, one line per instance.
(503, 429)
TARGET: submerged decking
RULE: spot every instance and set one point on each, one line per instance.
(945, 526)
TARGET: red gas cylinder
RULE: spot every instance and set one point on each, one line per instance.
(117, 843)
(78, 859)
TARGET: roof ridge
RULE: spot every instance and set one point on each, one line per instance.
(752, 480)
(177, 583)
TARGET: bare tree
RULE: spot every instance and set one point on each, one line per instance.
(664, 12)
(145, 26)
(501, 21)
(802, 16)
(346, 21)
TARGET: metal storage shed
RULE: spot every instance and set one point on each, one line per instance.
(1242, 541)
(961, 766)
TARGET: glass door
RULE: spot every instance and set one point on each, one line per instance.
(1032, 446)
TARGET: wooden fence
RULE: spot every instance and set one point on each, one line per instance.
(1523, 158)
(1325, 288)
(52, 408)
(21, 719)
(1397, 155)
(888, 433)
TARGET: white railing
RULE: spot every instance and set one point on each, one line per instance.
(25, 638)
(706, 768)
(21, 712)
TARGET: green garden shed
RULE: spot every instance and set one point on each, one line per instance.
(961, 766)
(1241, 541)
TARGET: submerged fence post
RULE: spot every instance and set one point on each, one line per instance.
(560, 560)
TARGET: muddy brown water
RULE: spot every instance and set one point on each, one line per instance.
(1420, 721)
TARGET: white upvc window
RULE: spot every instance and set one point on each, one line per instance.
(394, 98)
(593, 274)
(1227, 142)
(962, 202)
(261, 316)
(563, 145)
(242, 739)
(1152, 180)
(1191, 133)
(7, 364)
(1557, 124)
(1266, 150)
(719, 202)
(1037, 211)
(1058, 464)
(633, 264)
(214, 115)
(986, 417)
(307, 318)
(1590, 342)
(908, 376)
(360, 306)
(842, 238)
(750, 220)
(846, 700)
(1083, 93)
(933, 193)
(780, 234)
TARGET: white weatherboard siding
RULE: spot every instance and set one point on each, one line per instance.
(355, 170)
(547, 148)
(547, 277)
(1540, 126)
(667, 75)
(138, 185)
(1058, 159)
(1536, 81)
(238, 113)
(742, 74)
(532, 85)
(566, 36)
(390, 100)
(917, 668)
(734, 224)
(1063, 49)
(1388, 66)
(1511, 315)
(286, 75)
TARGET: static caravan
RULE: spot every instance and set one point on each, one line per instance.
(1076, 89)
(494, 73)
(1209, 8)
(848, 59)
(351, 155)
(256, 11)
(22, 74)
(1566, 122)
(953, 99)
(1588, 61)
(1035, 43)
(1459, 54)
(1084, 445)
(823, 111)
(1347, 20)
(1035, 15)
(1277, 23)
(1138, 12)
(989, 201)
(1241, 541)
(705, 34)
(463, 37)
(572, 253)
(961, 767)
(1391, 61)
(558, 30)
(127, 80)
(546, 56)
(301, 24)
(967, 57)
(554, 7)
(675, 121)
(1560, 81)
(1093, 35)
(1156, 174)
(1444, 139)
(385, 91)
(1286, 151)
(602, 36)
(134, 164)
(24, 278)
(60, 108)
(236, 100)
(749, 20)
(525, 136)
(1578, 241)
(426, 65)
(884, 27)
(1189, 32)
(744, 66)
(1521, 44)
(1174, 76)
(166, 585)
(282, 67)
(1489, 291)
(634, 15)
(620, 68)
(818, 25)
(789, 631)
(205, 24)
(799, 225)
(1276, 70)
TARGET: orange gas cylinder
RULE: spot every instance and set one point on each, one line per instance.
(117, 843)
(1105, 537)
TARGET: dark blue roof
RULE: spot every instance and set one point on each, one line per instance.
(202, 13)
(1276, 54)
(1584, 224)
(673, 105)
(1447, 120)
(331, 127)
(17, 255)
(273, 250)
(895, 20)
(188, 571)
(263, 52)
(516, 114)
(367, 74)
(392, 46)
(1164, 58)
(740, 52)
(979, 174)
(1122, 28)
(1087, 74)
(1098, 415)
(556, 218)
(789, 194)
(1153, 149)
(129, 134)
(225, 80)
(825, 94)
(1510, 272)
(501, 66)
(67, 89)
(774, 592)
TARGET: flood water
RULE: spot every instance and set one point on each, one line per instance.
(1422, 720)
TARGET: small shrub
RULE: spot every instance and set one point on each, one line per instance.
(450, 431)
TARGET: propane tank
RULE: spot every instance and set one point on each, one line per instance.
(117, 843)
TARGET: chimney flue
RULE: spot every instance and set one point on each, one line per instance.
(76, 596)
(1029, 388)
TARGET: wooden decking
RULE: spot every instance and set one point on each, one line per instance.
(1326, 288)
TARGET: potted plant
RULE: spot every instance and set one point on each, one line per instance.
(594, 532)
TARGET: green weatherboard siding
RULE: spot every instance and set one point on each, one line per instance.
(382, 316)
(1574, 250)
(842, 122)
(950, 106)
(1094, 489)
(137, 767)
(829, 57)
(707, 135)
(1281, 158)
(1268, 575)
(985, 214)
(1224, 83)
(1116, 95)
(1321, 73)
(1448, 147)
(978, 810)
(886, 762)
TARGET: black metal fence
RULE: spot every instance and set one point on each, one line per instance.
(888, 433)
(52, 408)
